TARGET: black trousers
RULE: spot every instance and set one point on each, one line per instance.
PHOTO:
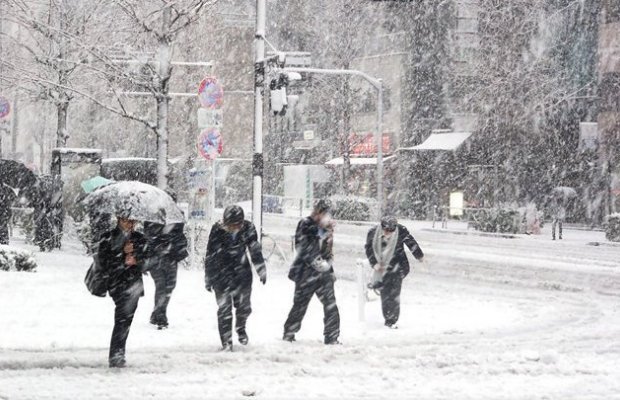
(126, 302)
(165, 278)
(238, 298)
(557, 222)
(323, 287)
(390, 297)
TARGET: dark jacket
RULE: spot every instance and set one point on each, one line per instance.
(310, 243)
(399, 263)
(111, 259)
(166, 244)
(226, 264)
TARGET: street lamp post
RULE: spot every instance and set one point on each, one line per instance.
(378, 85)
(259, 81)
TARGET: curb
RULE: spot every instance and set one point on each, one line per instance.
(469, 233)
(604, 244)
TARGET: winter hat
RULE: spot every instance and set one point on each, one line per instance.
(233, 215)
(389, 223)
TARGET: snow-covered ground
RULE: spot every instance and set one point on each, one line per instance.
(483, 317)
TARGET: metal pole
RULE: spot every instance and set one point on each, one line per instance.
(377, 84)
(361, 290)
(373, 81)
(259, 79)
(379, 139)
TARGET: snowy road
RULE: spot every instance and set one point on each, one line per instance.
(484, 317)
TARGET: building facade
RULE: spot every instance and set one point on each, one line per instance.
(609, 91)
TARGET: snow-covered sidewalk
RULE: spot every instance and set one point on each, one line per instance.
(459, 337)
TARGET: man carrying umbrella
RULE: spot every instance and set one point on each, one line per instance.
(122, 252)
(558, 214)
(121, 255)
(560, 197)
(228, 272)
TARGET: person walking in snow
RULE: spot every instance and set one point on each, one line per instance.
(229, 274)
(121, 256)
(385, 250)
(167, 246)
(313, 273)
(558, 214)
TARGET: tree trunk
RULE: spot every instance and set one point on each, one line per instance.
(163, 102)
(346, 131)
(62, 104)
(61, 126)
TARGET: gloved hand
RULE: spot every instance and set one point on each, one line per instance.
(263, 278)
(321, 265)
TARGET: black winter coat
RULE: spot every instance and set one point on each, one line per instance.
(166, 244)
(399, 263)
(111, 259)
(226, 264)
(309, 246)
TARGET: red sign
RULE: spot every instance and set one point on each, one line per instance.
(365, 145)
(210, 93)
(210, 143)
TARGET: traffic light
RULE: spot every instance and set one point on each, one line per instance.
(277, 95)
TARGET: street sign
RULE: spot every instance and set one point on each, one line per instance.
(210, 143)
(210, 93)
(5, 107)
(199, 182)
(208, 118)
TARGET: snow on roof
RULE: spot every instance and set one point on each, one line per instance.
(358, 160)
(65, 150)
(442, 141)
(108, 160)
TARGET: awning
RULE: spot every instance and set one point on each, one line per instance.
(358, 160)
(442, 141)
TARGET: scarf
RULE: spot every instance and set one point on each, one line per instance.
(384, 254)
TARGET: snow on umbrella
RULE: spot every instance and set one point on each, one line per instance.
(136, 200)
(96, 182)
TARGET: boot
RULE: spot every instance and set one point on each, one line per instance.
(243, 336)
